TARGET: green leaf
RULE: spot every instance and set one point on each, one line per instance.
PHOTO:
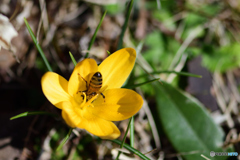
(204, 9)
(222, 59)
(165, 17)
(114, 9)
(193, 20)
(161, 50)
(187, 123)
(156, 48)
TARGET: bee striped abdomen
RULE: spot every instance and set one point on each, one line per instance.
(94, 86)
(95, 83)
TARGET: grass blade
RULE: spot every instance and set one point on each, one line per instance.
(125, 135)
(133, 150)
(140, 84)
(32, 113)
(179, 73)
(38, 46)
(64, 140)
(120, 42)
(132, 132)
(95, 34)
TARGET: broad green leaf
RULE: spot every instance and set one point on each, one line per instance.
(187, 123)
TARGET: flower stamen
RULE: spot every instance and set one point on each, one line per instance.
(87, 102)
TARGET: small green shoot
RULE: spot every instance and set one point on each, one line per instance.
(108, 53)
(73, 59)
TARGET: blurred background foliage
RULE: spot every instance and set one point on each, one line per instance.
(183, 117)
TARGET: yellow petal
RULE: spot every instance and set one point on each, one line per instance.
(55, 88)
(116, 68)
(97, 126)
(84, 69)
(119, 104)
(71, 114)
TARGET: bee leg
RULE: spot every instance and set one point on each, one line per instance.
(84, 80)
(86, 86)
(103, 96)
(81, 91)
(81, 94)
(82, 97)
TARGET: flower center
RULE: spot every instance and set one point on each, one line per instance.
(82, 100)
(88, 102)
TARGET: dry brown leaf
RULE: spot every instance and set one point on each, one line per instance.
(7, 32)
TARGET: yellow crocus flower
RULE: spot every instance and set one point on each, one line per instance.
(95, 114)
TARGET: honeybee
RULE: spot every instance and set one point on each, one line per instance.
(94, 86)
